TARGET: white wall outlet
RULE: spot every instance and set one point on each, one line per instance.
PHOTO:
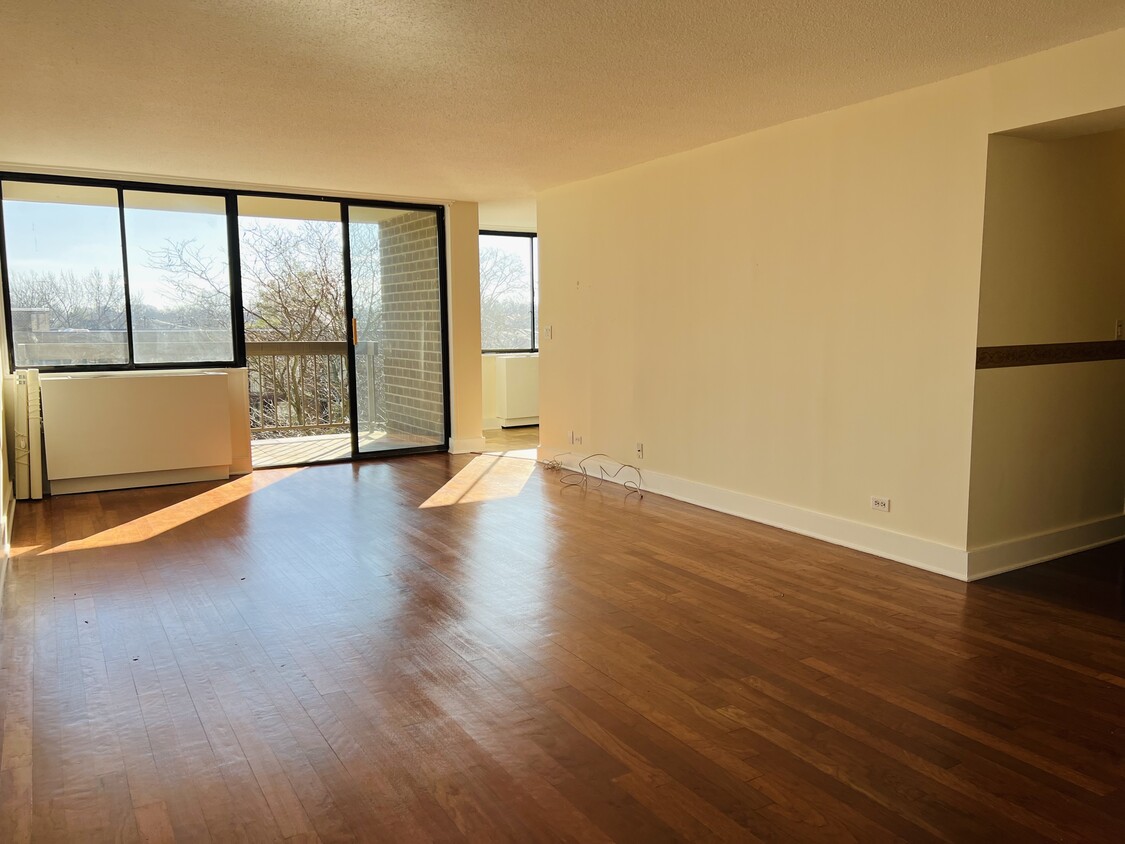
(550, 332)
(1118, 329)
(883, 505)
(640, 451)
(578, 439)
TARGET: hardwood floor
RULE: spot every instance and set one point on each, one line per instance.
(524, 439)
(1092, 581)
(310, 654)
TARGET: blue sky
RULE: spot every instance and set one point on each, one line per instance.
(63, 237)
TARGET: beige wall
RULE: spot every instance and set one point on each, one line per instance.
(1053, 262)
(1048, 450)
(464, 327)
(6, 491)
(791, 315)
(7, 500)
(1049, 441)
(518, 215)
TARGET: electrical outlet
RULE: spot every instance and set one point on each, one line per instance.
(578, 439)
(1117, 330)
(883, 505)
(550, 332)
(640, 451)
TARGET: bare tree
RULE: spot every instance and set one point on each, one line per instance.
(505, 316)
(95, 301)
(293, 281)
(196, 281)
(293, 292)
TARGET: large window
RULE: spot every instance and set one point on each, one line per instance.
(66, 277)
(179, 277)
(509, 291)
(103, 276)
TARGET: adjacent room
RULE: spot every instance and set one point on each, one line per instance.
(509, 330)
(562, 422)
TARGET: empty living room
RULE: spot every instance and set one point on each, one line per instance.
(574, 421)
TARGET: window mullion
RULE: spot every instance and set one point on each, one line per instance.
(531, 274)
(8, 332)
(234, 265)
(125, 277)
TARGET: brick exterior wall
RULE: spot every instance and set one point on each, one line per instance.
(410, 347)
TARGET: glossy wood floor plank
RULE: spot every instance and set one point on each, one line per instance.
(365, 653)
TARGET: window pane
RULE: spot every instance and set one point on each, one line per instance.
(396, 299)
(296, 327)
(535, 277)
(179, 277)
(505, 292)
(65, 274)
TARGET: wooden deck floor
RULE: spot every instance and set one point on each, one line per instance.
(312, 654)
(323, 448)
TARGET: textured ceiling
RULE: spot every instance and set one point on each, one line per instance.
(460, 99)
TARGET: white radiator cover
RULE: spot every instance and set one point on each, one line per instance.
(517, 390)
(112, 431)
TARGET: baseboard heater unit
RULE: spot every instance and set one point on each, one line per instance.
(122, 430)
(517, 390)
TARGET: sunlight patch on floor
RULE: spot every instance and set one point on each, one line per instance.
(488, 477)
(168, 518)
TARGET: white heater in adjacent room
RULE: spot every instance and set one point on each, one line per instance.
(517, 390)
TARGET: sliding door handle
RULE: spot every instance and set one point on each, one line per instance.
(355, 331)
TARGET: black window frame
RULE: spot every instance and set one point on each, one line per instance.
(234, 258)
(533, 238)
(120, 186)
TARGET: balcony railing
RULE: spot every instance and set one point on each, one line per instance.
(297, 388)
(300, 387)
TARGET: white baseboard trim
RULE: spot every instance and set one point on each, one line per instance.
(903, 548)
(1029, 550)
(466, 445)
(134, 480)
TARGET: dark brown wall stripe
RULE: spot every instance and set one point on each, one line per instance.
(1040, 354)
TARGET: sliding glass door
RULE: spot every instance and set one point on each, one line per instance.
(342, 309)
(293, 298)
(396, 302)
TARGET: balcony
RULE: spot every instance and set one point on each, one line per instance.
(299, 408)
